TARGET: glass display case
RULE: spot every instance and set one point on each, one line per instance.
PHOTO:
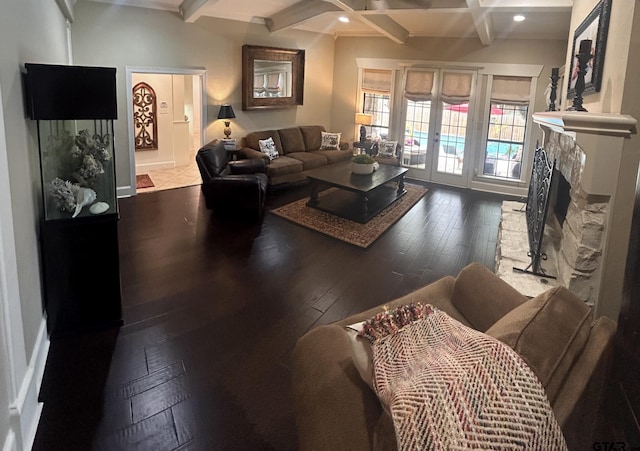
(75, 107)
(77, 167)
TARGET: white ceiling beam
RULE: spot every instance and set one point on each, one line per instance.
(348, 5)
(66, 7)
(482, 21)
(191, 10)
(298, 13)
(526, 3)
(387, 26)
(380, 22)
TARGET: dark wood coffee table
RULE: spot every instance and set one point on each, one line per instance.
(359, 197)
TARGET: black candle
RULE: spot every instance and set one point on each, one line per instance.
(555, 71)
(585, 46)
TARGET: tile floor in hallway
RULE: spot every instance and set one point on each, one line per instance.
(172, 178)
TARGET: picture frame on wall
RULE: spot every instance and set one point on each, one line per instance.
(595, 28)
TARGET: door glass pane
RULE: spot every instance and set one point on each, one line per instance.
(416, 135)
(505, 141)
(453, 133)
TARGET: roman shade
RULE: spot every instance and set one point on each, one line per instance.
(511, 90)
(273, 82)
(456, 88)
(418, 85)
(376, 81)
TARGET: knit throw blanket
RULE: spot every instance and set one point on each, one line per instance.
(449, 387)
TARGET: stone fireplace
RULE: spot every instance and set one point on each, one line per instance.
(586, 252)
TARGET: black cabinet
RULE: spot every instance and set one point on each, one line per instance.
(74, 107)
(81, 272)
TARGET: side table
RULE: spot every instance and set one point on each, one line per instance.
(233, 154)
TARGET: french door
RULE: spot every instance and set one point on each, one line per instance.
(436, 113)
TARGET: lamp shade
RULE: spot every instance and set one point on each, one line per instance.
(363, 119)
(226, 112)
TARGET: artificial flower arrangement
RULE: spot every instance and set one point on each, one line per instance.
(363, 164)
(363, 158)
(81, 158)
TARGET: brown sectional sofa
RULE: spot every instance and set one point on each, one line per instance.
(555, 333)
(298, 149)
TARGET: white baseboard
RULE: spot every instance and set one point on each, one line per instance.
(125, 191)
(25, 411)
(145, 167)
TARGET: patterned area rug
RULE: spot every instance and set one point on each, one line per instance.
(362, 235)
(144, 181)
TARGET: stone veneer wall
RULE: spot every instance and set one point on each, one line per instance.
(580, 248)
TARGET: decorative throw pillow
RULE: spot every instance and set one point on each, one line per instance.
(362, 334)
(387, 149)
(361, 353)
(330, 141)
(268, 147)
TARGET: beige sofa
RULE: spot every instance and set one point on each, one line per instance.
(298, 149)
(554, 333)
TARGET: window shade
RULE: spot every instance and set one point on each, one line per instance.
(511, 90)
(418, 85)
(456, 88)
(258, 83)
(273, 81)
(376, 81)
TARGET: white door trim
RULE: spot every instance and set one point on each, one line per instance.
(130, 70)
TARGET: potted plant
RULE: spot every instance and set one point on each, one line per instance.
(363, 164)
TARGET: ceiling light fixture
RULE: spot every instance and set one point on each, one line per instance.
(343, 19)
(519, 17)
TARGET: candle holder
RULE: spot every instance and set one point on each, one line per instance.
(583, 57)
(554, 88)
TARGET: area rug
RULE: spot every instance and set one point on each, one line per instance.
(362, 235)
(144, 181)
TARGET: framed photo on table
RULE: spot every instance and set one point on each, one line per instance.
(595, 28)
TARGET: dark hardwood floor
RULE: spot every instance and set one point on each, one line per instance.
(213, 308)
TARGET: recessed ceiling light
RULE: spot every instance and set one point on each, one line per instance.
(519, 17)
(343, 19)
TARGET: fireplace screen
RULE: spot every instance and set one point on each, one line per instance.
(537, 206)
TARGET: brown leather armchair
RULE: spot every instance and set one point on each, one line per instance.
(237, 188)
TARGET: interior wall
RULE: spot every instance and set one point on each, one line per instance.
(617, 52)
(30, 31)
(548, 53)
(181, 133)
(35, 33)
(162, 39)
(162, 84)
(196, 118)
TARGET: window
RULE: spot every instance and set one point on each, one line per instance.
(416, 133)
(506, 133)
(456, 94)
(376, 101)
(377, 105)
(418, 88)
(505, 141)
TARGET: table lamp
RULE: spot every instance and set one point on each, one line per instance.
(363, 119)
(226, 113)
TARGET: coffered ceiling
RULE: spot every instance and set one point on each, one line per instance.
(395, 19)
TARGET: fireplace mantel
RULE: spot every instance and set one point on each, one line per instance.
(601, 136)
(598, 157)
(570, 122)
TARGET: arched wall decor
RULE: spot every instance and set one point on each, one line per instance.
(145, 118)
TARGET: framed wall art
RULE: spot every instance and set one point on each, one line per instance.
(595, 28)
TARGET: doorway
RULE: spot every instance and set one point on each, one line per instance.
(436, 130)
(162, 145)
